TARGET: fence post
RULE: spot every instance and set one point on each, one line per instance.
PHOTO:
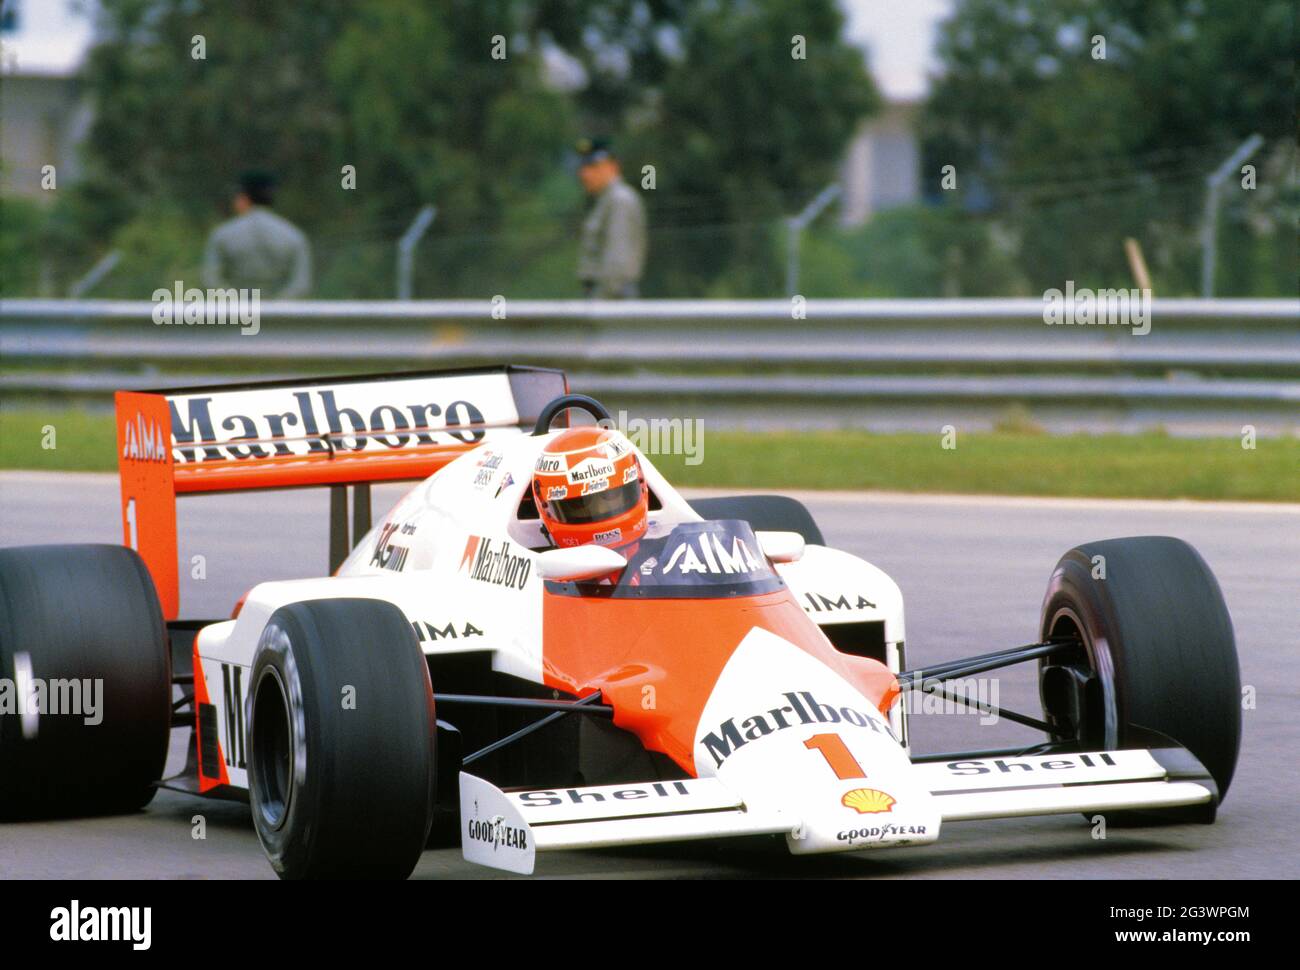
(1211, 228)
(795, 226)
(406, 249)
(95, 275)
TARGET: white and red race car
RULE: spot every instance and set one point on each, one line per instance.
(455, 673)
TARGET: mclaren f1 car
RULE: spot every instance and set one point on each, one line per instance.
(456, 671)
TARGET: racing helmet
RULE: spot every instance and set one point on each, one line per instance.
(588, 487)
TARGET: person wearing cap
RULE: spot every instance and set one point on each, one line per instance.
(258, 249)
(611, 252)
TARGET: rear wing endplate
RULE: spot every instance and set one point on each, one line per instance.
(316, 432)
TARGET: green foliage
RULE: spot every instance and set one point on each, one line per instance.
(408, 92)
(158, 247)
(744, 134)
(1059, 156)
(911, 251)
(1074, 153)
(21, 223)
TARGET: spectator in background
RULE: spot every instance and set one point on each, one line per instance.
(611, 252)
(258, 249)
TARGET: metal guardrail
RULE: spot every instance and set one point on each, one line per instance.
(1211, 353)
(629, 312)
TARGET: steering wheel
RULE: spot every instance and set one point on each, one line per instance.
(563, 403)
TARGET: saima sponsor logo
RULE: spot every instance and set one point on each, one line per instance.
(311, 415)
(144, 440)
(431, 632)
(801, 709)
(706, 554)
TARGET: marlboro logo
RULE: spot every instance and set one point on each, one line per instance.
(490, 561)
(347, 417)
(144, 441)
(799, 708)
(590, 470)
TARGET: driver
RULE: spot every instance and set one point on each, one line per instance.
(589, 488)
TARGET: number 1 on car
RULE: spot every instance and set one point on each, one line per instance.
(836, 753)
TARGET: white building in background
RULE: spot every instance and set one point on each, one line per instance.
(882, 166)
(44, 115)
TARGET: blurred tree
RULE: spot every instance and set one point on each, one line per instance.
(742, 132)
(21, 222)
(1053, 136)
(912, 251)
(409, 92)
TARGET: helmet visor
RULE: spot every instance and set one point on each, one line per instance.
(595, 507)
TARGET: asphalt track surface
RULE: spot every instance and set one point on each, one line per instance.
(972, 572)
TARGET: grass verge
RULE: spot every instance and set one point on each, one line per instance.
(1000, 462)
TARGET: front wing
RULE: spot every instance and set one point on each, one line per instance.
(505, 829)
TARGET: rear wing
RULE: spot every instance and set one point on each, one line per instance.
(340, 432)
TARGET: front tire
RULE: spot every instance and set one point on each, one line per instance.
(341, 741)
(1156, 655)
(84, 621)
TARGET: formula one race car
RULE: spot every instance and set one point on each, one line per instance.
(458, 672)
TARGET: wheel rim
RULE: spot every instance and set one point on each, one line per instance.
(272, 749)
(1092, 659)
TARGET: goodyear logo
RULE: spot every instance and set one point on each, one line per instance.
(496, 833)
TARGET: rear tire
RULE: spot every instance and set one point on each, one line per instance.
(82, 613)
(1157, 655)
(774, 513)
(341, 741)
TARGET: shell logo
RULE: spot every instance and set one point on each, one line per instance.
(868, 801)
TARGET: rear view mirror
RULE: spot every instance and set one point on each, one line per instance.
(781, 546)
(580, 562)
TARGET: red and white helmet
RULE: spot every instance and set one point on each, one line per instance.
(589, 488)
